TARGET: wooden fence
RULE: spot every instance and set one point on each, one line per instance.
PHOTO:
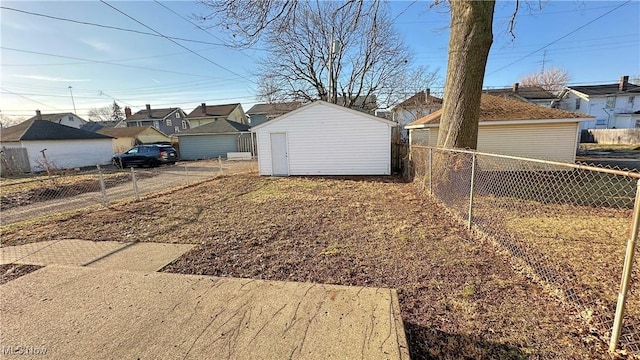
(247, 143)
(611, 136)
(14, 161)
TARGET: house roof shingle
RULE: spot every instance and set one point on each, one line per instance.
(274, 108)
(420, 99)
(97, 125)
(155, 114)
(55, 116)
(607, 89)
(213, 110)
(527, 92)
(497, 108)
(131, 131)
(46, 130)
(220, 126)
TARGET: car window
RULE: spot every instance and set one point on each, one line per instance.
(133, 151)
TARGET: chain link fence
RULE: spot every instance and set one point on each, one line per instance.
(34, 196)
(569, 227)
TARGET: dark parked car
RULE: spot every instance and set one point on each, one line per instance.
(146, 155)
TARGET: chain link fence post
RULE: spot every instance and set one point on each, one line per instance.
(220, 165)
(103, 189)
(626, 273)
(186, 175)
(471, 188)
(135, 184)
(430, 171)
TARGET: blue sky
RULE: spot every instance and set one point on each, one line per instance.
(595, 41)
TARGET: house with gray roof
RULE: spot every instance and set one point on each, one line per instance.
(529, 93)
(68, 119)
(215, 139)
(168, 120)
(260, 113)
(614, 106)
(53, 145)
(205, 114)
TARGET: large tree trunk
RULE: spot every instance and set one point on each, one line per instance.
(469, 43)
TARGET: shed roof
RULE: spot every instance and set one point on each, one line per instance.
(213, 110)
(497, 108)
(274, 108)
(131, 131)
(46, 130)
(319, 103)
(219, 126)
(97, 125)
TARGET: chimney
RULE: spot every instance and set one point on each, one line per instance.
(624, 83)
(38, 115)
(127, 112)
(515, 87)
(149, 111)
(204, 109)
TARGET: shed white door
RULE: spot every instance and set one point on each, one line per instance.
(279, 162)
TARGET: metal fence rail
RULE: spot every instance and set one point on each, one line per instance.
(30, 197)
(570, 227)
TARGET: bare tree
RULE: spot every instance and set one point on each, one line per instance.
(470, 39)
(112, 112)
(552, 79)
(344, 52)
(6, 120)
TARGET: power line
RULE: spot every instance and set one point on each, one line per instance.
(177, 43)
(562, 37)
(26, 98)
(108, 26)
(106, 62)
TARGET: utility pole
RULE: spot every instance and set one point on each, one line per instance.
(72, 101)
(334, 47)
(544, 60)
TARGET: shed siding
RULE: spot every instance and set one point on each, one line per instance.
(194, 147)
(324, 140)
(554, 141)
(151, 136)
(123, 144)
(65, 154)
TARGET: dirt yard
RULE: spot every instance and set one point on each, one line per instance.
(459, 298)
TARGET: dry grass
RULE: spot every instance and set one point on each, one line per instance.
(459, 298)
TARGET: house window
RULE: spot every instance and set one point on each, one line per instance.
(611, 102)
(177, 115)
(176, 129)
(577, 103)
(169, 122)
(156, 124)
(71, 117)
(184, 124)
(632, 100)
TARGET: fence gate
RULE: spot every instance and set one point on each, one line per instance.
(14, 161)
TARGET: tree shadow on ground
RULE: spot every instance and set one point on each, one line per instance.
(428, 343)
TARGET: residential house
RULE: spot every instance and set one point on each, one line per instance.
(260, 113)
(513, 127)
(413, 108)
(531, 94)
(127, 137)
(68, 119)
(613, 106)
(205, 114)
(324, 139)
(215, 139)
(168, 120)
(53, 145)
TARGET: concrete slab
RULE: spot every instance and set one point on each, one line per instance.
(142, 257)
(61, 252)
(82, 312)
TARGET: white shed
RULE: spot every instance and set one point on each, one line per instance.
(324, 139)
(64, 146)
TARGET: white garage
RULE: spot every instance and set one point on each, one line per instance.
(324, 139)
